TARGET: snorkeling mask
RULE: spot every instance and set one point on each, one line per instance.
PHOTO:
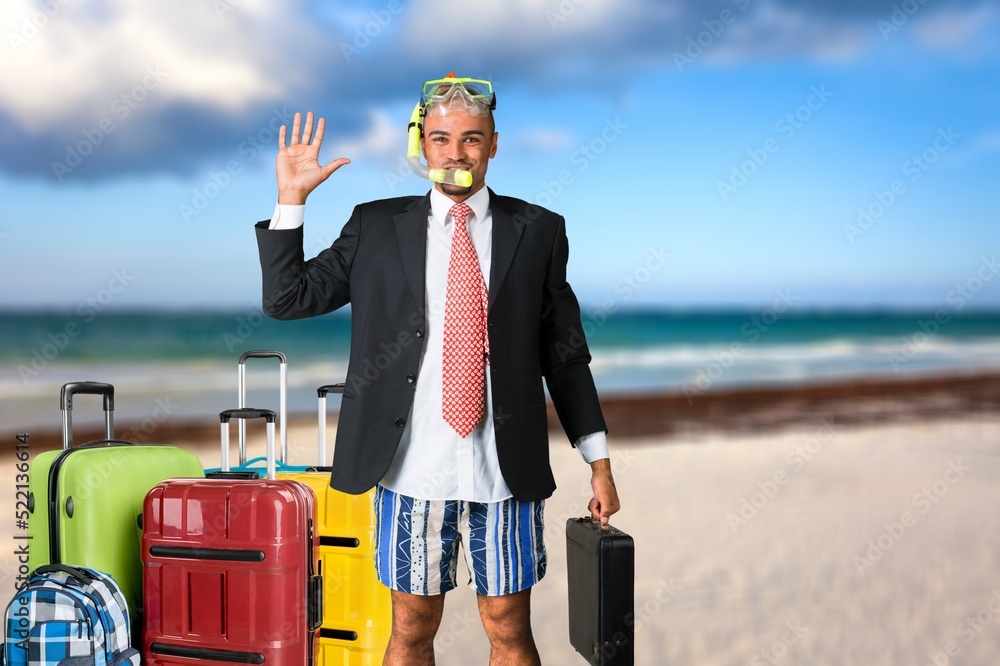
(472, 96)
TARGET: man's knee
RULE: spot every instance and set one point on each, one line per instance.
(416, 618)
(506, 619)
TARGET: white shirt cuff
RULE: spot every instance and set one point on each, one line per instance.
(287, 216)
(593, 447)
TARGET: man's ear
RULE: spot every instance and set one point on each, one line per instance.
(493, 145)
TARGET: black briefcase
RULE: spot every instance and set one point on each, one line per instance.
(600, 563)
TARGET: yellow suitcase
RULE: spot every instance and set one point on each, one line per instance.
(357, 608)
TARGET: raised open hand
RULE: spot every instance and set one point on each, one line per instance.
(297, 166)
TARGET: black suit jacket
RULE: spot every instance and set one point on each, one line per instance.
(377, 264)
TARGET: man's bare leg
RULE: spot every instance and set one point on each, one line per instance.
(507, 621)
(415, 621)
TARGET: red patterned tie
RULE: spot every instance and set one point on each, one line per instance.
(466, 344)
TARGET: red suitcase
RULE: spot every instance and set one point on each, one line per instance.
(230, 568)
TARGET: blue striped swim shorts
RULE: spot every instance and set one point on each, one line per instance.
(417, 544)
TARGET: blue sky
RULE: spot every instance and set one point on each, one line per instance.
(703, 153)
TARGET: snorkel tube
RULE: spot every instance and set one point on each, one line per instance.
(459, 177)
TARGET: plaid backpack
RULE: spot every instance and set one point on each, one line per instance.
(68, 616)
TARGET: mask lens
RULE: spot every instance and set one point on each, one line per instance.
(432, 90)
(478, 88)
(441, 88)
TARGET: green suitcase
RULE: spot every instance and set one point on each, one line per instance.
(85, 502)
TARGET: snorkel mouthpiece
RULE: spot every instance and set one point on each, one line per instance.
(459, 177)
(466, 95)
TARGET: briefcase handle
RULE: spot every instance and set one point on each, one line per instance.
(596, 524)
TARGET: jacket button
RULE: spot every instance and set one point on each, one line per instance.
(411, 379)
(400, 422)
(420, 333)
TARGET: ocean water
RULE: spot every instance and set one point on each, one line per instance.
(184, 364)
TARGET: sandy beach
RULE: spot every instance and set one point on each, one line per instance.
(830, 525)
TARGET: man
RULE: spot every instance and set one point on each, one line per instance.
(460, 307)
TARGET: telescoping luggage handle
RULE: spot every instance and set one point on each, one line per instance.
(282, 398)
(242, 415)
(321, 392)
(246, 467)
(66, 406)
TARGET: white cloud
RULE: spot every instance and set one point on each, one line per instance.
(72, 59)
(224, 63)
(954, 29)
(443, 26)
(382, 139)
(768, 30)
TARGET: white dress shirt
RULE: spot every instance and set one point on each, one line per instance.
(432, 461)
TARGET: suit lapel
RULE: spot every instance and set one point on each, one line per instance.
(411, 232)
(506, 236)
